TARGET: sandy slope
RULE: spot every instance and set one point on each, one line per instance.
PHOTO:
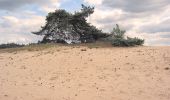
(75, 73)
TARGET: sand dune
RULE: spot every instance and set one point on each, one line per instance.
(81, 73)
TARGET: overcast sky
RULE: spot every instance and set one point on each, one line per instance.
(148, 19)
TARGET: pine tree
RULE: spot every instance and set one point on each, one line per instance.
(62, 26)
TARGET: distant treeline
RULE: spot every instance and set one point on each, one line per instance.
(11, 45)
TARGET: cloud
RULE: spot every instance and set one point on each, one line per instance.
(22, 17)
(148, 19)
(13, 29)
(95, 2)
(15, 4)
(18, 38)
(137, 6)
(46, 5)
(145, 19)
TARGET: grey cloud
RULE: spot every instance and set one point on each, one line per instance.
(106, 20)
(136, 6)
(157, 27)
(165, 36)
(15, 4)
(159, 43)
(143, 12)
(148, 19)
(19, 38)
(124, 20)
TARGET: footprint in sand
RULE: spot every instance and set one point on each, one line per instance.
(5, 95)
(167, 68)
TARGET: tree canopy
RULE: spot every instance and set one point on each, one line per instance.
(62, 26)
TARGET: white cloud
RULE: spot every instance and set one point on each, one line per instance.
(13, 29)
(95, 2)
(52, 5)
(137, 6)
(18, 38)
(17, 24)
(11, 5)
(145, 19)
(10, 19)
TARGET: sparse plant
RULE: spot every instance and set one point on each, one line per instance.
(117, 32)
(118, 38)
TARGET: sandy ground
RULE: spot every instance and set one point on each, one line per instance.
(81, 73)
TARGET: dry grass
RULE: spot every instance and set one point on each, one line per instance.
(39, 47)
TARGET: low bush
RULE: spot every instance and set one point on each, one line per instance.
(127, 42)
(118, 38)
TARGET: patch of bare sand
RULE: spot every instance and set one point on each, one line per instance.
(80, 73)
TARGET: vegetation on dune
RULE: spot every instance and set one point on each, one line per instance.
(64, 27)
(73, 28)
(118, 38)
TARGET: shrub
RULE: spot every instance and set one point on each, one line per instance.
(117, 32)
(118, 38)
(135, 41)
(127, 42)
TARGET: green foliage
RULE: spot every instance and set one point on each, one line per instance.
(118, 38)
(135, 41)
(117, 32)
(127, 42)
(62, 26)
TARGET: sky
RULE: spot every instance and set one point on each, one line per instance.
(146, 19)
